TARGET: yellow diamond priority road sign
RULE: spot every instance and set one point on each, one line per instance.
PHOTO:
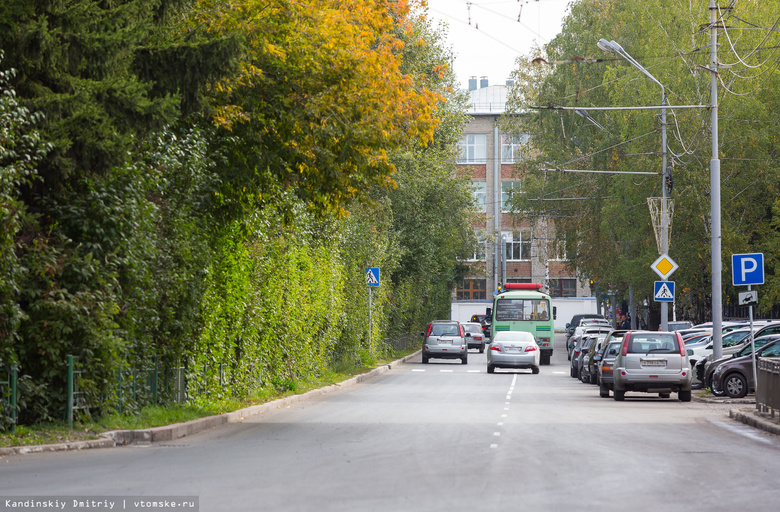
(664, 266)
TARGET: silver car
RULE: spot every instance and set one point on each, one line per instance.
(652, 362)
(445, 339)
(474, 335)
(513, 349)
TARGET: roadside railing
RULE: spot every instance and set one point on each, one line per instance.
(768, 388)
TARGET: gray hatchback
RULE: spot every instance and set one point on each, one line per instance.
(445, 339)
(652, 362)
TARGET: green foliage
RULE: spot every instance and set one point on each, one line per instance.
(609, 234)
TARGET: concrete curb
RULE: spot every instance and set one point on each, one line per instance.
(179, 430)
(754, 418)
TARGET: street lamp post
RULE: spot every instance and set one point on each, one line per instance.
(614, 47)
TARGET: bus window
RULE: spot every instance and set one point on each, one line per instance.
(516, 310)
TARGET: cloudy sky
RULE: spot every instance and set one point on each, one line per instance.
(487, 35)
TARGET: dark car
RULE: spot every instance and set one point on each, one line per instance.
(582, 347)
(590, 363)
(575, 322)
(735, 377)
(606, 361)
(704, 371)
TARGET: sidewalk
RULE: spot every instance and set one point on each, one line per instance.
(179, 430)
(748, 414)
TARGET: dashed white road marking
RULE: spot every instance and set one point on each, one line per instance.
(446, 371)
(416, 370)
(494, 446)
(473, 371)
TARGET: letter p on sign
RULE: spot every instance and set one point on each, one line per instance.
(747, 269)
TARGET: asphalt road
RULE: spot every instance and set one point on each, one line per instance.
(442, 436)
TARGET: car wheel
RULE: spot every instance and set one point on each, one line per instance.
(735, 385)
(620, 395)
(664, 395)
(482, 349)
(603, 391)
(684, 395)
(583, 376)
(425, 359)
(573, 373)
(491, 368)
(711, 385)
(535, 370)
(464, 360)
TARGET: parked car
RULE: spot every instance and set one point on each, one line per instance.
(735, 377)
(588, 344)
(590, 370)
(445, 339)
(606, 362)
(580, 331)
(575, 322)
(679, 326)
(732, 342)
(474, 336)
(652, 362)
(705, 370)
(513, 349)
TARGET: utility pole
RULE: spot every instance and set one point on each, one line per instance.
(717, 285)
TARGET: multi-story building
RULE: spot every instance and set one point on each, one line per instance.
(512, 248)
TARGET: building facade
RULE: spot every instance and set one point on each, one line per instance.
(512, 248)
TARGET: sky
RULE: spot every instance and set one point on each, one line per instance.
(494, 38)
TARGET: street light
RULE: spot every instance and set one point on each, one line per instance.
(614, 47)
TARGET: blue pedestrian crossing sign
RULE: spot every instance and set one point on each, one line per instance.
(664, 291)
(372, 276)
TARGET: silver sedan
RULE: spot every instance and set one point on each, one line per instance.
(513, 349)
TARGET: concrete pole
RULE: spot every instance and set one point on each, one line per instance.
(717, 285)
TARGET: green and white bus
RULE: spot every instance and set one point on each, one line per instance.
(523, 307)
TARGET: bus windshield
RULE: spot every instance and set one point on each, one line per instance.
(516, 310)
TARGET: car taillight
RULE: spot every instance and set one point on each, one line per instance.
(495, 347)
(681, 344)
(626, 338)
(430, 327)
(462, 334)
(530, 348)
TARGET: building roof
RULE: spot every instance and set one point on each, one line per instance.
(489, 100)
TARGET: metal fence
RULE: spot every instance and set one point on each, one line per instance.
(768, 388)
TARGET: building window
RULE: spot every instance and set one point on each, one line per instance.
(558, 250)
(479, 189)
(518, 245)
(472, 289)
(508, 189)
(512, 147)
(563, 287)
(473, 149)
(479, 254)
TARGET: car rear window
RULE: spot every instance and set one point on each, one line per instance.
(472, 328)
(657, 343)
(444, 330)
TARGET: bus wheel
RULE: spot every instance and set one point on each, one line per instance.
(544, 359)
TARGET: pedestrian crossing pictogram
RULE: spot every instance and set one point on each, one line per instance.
(372, 276)
(664, 291)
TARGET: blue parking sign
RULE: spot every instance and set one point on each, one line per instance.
(747, 269)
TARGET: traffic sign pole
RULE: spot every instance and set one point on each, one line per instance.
(753, 349)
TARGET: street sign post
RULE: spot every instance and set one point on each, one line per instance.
(372, 280)
(747, 270)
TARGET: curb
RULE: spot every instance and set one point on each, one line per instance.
(178, 430)
(752, 417)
